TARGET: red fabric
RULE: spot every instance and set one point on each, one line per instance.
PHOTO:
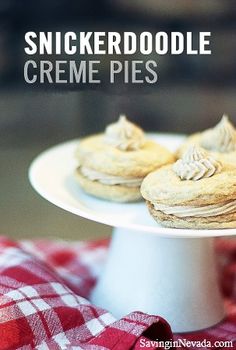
(43, 286)
(41, 303)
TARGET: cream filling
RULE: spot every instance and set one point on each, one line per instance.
(196, 164)
(204, 211)
(124, 135)
(107, 179)
(222, 138)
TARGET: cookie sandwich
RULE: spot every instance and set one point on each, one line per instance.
(112, 165)
(220, 141)
(197, 192)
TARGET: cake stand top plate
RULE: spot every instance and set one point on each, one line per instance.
(51, 175)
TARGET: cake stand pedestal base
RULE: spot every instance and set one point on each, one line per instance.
(174, 278)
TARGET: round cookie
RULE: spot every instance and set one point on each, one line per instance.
(196, 192)
(94, 153)
(117, 193)
(228, 221)
(112, 165)
(219, 141)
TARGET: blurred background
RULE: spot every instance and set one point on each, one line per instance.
(192, 94)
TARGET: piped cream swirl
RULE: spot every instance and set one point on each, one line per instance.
(124, 135)
(222, 138)
(196, 164)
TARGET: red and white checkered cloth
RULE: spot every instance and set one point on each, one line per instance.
(43, 290)
(41, 303)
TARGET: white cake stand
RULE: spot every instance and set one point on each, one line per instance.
(163, 271)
